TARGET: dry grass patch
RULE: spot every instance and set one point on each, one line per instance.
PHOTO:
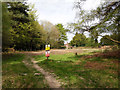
(110, 54)
(96, 65)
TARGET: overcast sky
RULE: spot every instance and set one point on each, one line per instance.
(60, 11)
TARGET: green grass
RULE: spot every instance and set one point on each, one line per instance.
(71, 70)
(16, 75)
(66, 57)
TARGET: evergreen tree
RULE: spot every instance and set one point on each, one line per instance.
(63, 36)
(79, 40)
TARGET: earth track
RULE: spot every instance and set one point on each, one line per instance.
(51, 80)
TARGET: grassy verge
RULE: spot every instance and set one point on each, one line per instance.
(16, 75)
(79, 72)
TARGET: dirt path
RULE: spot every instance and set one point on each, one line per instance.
(52, 82)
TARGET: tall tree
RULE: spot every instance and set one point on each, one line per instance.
(63, 31)
(19, 15)
(37, 32)
(107, 16)
(52, 34)
(26, 32)
(63, 36)
(5, 27)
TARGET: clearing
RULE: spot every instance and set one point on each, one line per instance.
(91, 68)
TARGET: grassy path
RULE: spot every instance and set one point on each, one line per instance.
(52, 82)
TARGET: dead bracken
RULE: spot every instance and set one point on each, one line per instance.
(96, 65)
(111, 54)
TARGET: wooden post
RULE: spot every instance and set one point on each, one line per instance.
(76, 53)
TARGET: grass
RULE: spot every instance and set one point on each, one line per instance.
(16, 75)
(64, 57)
(79, 72)
(75, 71)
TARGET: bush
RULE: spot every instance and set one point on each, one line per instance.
(62, 47)
(115, 47)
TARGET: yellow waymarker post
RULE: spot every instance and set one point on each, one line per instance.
(47, 48)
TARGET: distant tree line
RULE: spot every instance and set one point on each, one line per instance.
(22, 31)
(80, 40)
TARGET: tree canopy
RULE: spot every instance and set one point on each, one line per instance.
(104, 19)
(63, 34)
(22, 31)
(5, 26)
(25, 31)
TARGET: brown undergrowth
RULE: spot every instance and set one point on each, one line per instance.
(110, 54)
(107, 60)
